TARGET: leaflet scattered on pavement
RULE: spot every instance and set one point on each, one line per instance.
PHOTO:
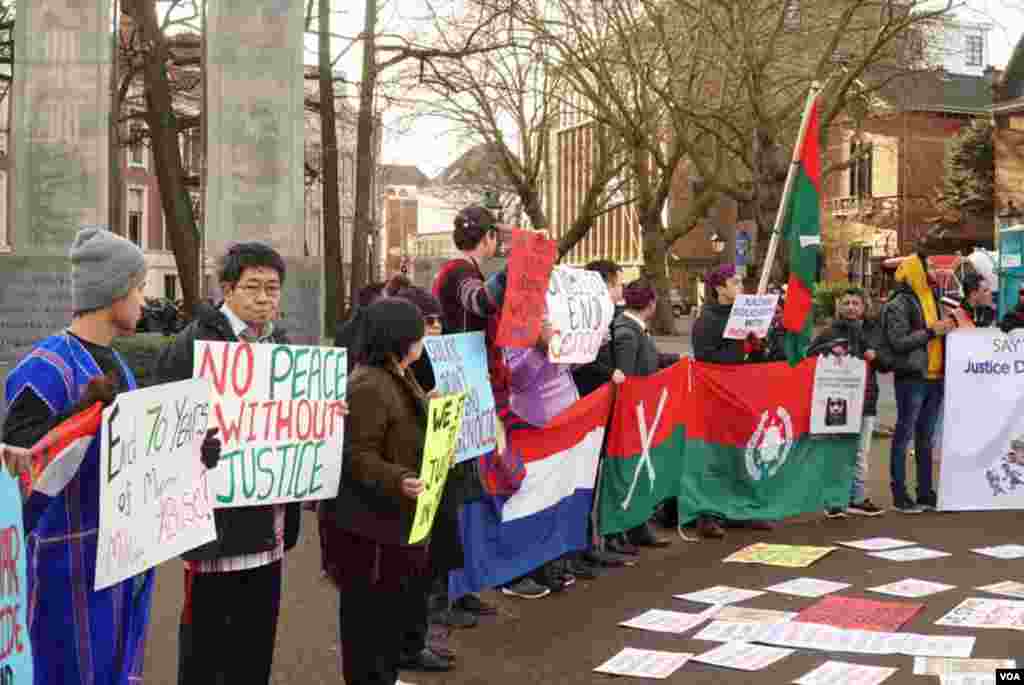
(807, 587)
(744, 615)
(644, 663)
(1001, 551)
(720, 594)
(743, 656)
(878, 544)
(1010, 588)
(832, 672)
(910, 554)
(661, 621)
(788, 556)
(979, 612)
(911, 587)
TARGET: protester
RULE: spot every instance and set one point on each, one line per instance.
(710, 345)
(233, 584)
(975, 311)
(63, 374)
(914, 332)
(633, 350)
(1014, 318)
(590, 377)
(378, 574)
(853, 334)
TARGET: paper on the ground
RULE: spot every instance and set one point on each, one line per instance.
(644, 663)
(911, 587)
(720, 594)
(1010, 588)
(744, 615)
(743, 656)
(878, 544)
(1001, 551)
(831, 639)
(808, 587)
(859, 613)
(979, 612)
(910, 554)
(925, 665)
(661, 621)
(788, 556)
(968, 679)
(832, 672)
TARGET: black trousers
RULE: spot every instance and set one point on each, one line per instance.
(373, 624)
(229, 626)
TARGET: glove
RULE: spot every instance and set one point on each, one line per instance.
(101, 389)
(209, 452)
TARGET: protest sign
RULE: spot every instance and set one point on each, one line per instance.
(644, 663)
(751, 314)
(154, 501)
(460, 365)
(837, 397)
(278, 408)
(444, 421)
(580, 311)
(979, 612)
(15, 647)
(788, 556)
(983, 469)
(529, 267)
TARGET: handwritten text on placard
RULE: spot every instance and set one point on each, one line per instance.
(460, 365)
(580, 311)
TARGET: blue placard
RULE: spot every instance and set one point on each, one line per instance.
(15, 648)
(460, 364)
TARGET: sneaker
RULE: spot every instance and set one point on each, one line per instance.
(710, 528)
(526, 588)
(454, 618)
(927, 503)
(865, 508)
(474, 605)
(835, 513)
(581, 569)
(907, 507)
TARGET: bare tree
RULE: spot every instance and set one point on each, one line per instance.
(334, 303)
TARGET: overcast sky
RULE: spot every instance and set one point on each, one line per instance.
(431, 147)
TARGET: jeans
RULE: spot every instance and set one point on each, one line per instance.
(917, 411)
(860, 473)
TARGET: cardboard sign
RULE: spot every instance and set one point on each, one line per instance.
(460, 365)
(278, 408)
(154, 502)
(860, 614)
(529, 266)
(580, 311)
(751, 314)
(444, 421)
(15, 647)
(837, 399)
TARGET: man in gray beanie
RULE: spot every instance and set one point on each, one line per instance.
(64, 374)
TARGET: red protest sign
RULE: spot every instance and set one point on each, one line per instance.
(530, 261)
(860, 614)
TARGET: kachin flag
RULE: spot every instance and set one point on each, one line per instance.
(802, 234)
(749, 452)
(506, 537)
(644, 454)
(56, 459)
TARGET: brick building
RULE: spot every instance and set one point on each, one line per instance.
(1008, 118)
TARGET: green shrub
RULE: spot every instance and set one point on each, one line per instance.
(140, 352)
(825, 296)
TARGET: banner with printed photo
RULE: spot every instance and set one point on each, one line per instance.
(278, 408)
(60, 122)
(580, 311)
(983, 431)
(460, 365)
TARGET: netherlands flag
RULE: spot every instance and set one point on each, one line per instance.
(56, 459)
(507, 537)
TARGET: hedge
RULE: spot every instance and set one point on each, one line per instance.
(140, 352)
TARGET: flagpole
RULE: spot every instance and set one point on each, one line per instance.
(787, 190)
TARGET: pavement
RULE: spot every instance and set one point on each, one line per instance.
(561, 638)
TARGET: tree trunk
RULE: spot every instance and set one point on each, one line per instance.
(334, 296)
(362, 229)
(656, 271)
(163, 130)
(532, 206)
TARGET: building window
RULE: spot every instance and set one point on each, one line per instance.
(975, 51)
(860, 171)
(136, 214)
(791, 15)
(191, 151)
(171, 287)
(136, 148)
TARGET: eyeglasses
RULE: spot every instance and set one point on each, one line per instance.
(253, 290)
(432, 320)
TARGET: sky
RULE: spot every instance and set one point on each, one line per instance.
(431, 146)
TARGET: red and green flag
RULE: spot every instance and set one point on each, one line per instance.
(644, 452)
(802, 234)
(749, 452)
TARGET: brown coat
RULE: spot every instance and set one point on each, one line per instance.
(385, 431)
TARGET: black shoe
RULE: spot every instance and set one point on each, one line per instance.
(928, 503)
(474, 605)
(620, 545)
(581, 569)
(425, 660)
(608, 559)
(643, 536)
(454, 618)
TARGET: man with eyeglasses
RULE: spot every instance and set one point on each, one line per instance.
(233, 584)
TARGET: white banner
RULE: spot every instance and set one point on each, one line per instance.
(279, 414)
(154, 503)
(837, 399)
(983, 434)
(580, 311)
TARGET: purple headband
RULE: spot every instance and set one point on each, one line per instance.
(719, 276)
(638, 296)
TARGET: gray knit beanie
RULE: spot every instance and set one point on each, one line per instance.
(104, 267)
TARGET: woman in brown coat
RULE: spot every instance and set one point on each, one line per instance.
(377, 572)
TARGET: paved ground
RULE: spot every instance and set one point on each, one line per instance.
(559, 639)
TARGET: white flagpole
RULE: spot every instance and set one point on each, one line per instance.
(780, 217)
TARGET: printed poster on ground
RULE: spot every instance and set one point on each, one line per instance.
(154, 499)
(279, 412)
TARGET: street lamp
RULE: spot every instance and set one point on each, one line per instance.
(1010, 216)
(717, 243)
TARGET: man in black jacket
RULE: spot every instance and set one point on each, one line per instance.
(233, 584)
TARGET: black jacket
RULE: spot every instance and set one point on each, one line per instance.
(706, 338)
(590, 377)
(633, 350)
(245, 530)
(1013, 319)
(857, 337)
(906, 333)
